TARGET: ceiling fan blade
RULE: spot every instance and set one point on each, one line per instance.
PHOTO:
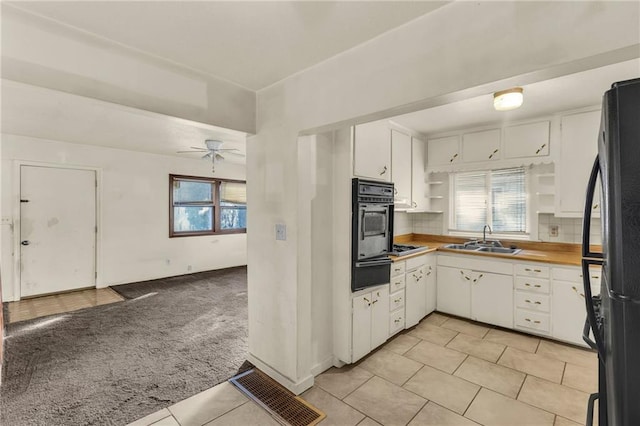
(219, 157)
(207, 155)
(238, 154)
(199, 148)
(226, 149)
(182, 152)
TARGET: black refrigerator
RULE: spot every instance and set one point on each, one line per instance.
(614, 315)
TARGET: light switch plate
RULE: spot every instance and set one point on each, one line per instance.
(281, 231)
(553, 230)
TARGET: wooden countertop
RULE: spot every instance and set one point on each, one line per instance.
(555, 253)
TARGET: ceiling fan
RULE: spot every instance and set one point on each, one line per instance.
(214, 151)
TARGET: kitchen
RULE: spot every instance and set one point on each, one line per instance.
(294, 337)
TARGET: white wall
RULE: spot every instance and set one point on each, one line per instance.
(460, 46)
(134, 211)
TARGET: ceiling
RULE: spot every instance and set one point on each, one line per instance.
(251, 43)
(565, 93)
(49, 114)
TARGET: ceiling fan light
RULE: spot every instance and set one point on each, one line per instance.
(506, 100)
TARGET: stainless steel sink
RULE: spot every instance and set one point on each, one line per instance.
(505, 250)
(461, 247)
(483, 249)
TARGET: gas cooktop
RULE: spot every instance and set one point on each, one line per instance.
(403, 250)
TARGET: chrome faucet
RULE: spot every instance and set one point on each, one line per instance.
(484, 233)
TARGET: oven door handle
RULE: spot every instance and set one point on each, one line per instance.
(373, 262)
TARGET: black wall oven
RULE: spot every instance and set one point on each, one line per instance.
(372, 232)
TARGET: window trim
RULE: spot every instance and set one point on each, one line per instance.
(520, 235)
(215, 205)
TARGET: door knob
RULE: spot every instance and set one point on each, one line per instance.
(25, 242)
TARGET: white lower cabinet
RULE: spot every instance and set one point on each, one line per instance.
(568, 303)
(483, 291)
(532, 293)
(492, 298)
(416, 289)
(430, 274)
(454, 291)
(370, 321)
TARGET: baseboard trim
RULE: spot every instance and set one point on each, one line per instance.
(295, 387)
(322, 366)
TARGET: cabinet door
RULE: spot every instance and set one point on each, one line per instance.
(401, 166)
(372, 151)
(492, 298)
(481, 146)
(416, 296)
(430, 275)
(443, 150)
(379, 316)
(569, 311)
(361, 337)
(454, 291)
(578, 150)
(418, 186)
(527, 140)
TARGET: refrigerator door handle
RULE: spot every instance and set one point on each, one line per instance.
(591, 312)
(586, 222)
(590, 408)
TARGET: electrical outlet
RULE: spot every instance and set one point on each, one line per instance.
(281, 231)
(553, 230)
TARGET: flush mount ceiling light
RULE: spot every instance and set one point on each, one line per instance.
(505, 100)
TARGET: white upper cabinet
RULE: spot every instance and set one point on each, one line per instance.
(444, 150)
(418, 185)
(372, 151)
(401, 167)
(481, 146)
(578, 149)
(527, 140)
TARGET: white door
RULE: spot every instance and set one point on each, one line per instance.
(401, 166)
(454, 291)
(372, 150)
(361, 337)
(481, 146)
(57, 229)
(430, 274)
(492, 298)
(416, 300)
(379, 316)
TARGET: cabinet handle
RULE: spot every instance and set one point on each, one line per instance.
(374, 302)
(492, 154)
(428, 273)
(576, 290)
(465, 277)
(478, 278)
(414, 204)
(396, 320)
(541, 148)
(453, 158)
(384, 170)
(595, 206)
(367, 300)
(535, 303)
(532, 270)
(535, 321)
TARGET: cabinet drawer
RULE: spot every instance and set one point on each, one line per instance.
(532, 320)
(396, 321)
(415, 262)
(575, 275)
(397, 283)
(532, 271)
(532, 301)
(396, 300)
(397, 268)
(532, 284)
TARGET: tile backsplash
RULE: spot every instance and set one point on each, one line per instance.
(569, 229)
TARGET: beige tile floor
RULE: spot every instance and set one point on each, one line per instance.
(37, 307)
(444, 371)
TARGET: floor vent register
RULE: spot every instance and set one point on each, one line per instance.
(282, 404)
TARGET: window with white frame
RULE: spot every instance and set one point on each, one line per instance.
(493, 197)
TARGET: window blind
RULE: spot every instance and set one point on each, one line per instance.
(470, 201)
(508, 200)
